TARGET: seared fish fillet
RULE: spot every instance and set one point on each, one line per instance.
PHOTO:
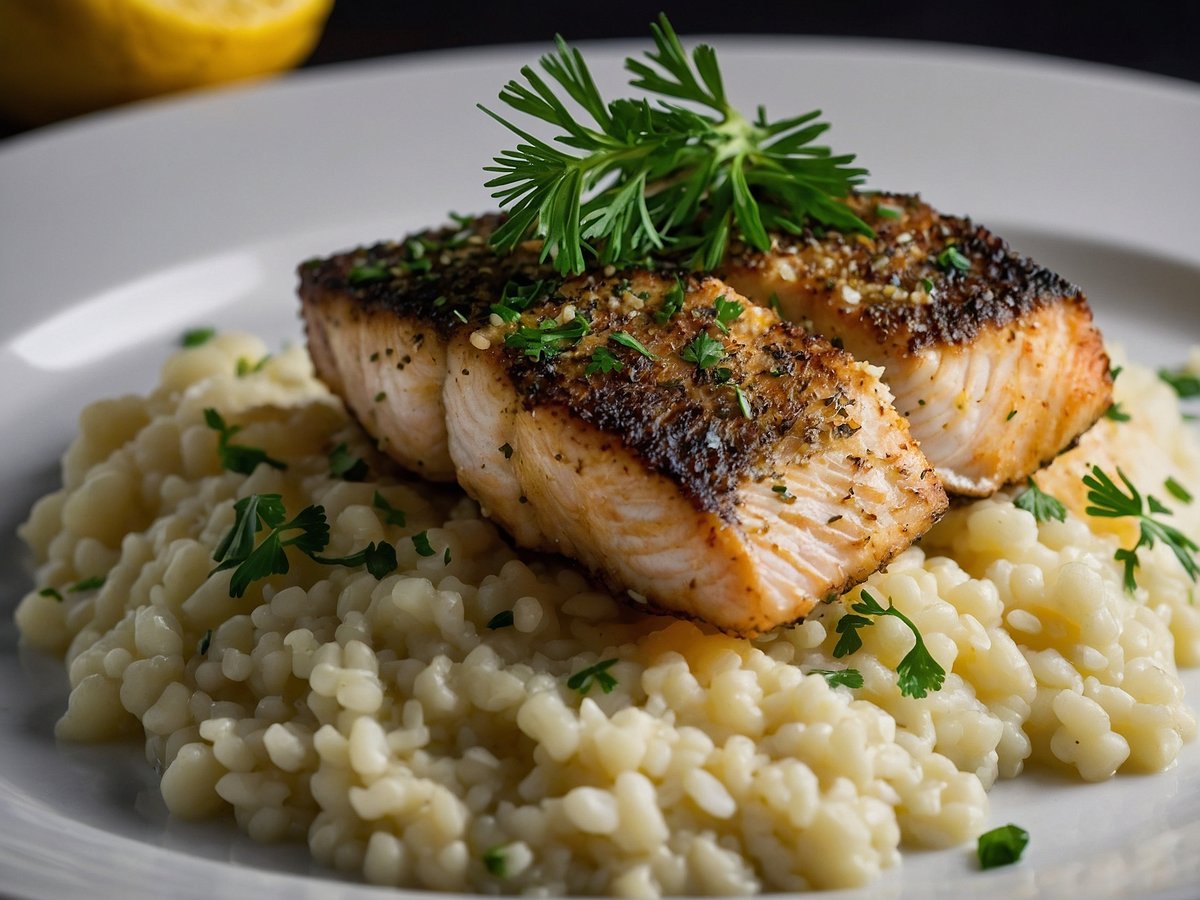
(378, 319)
(993, 359)
(741, 492)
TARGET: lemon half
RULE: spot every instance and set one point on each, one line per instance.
(59, 58)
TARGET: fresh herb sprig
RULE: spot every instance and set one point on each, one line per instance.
(642, 176)
(583, 680)
(1109, 501)
(547, 338)
(308, 532)
(1001, 846)
(1043, 506)
(919, 673)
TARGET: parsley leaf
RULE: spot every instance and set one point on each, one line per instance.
(51, 593)
(726, 312)
(628, 340)
(421, 544)
(1177, 490)
(1186, 384)
(672, 303)
(1001, 846)
(547, 338)
(743, 402)
(363, 273)
(1043, 506)
(603, 361)
(1109, 501)
(205, 643)
(952, 258)
(851, 678)
(235, 457)
(582, 680)
(704, 351)
(919, 673)
(516, 298)
(391, 515)
(502, 619)
(380, 559)
(1116, 413)
(344, 465)
(87, 584)
(194, 337)
(245, 367)
(496, 862)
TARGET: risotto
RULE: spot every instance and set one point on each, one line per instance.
(486, 720)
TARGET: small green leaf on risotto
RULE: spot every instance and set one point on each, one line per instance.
(506, 449)
(1177, 490)
(704, 351)
(851, 678)
(344, 465)
(391, 515)
(205, 643)
(87, 584)
(603, 361)
(1002, 846)
(379, 559)
(502, 619)
(783, 494)
(726, 312)
(1186, 384)
(1116, 413)
(918, 672)
(672, 303)
(421, 544)
(1115, 371)
(1109, 501)
(245, 367)
(1044, 507)
(952, 258)
(446, 557)
(582, 680)
(1009, 417)
(628, 340)
(235, 457)
(496, 862)
(367, 274)
(52, 593)
(194, 337)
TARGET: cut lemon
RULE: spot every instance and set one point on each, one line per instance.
(59, 58)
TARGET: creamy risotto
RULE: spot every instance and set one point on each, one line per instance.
(487, 720)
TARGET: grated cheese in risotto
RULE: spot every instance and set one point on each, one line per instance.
(420, 730)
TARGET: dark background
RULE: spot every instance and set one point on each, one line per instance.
(1162, 37)
(1156, 36)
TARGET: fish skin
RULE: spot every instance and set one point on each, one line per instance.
(997, 366)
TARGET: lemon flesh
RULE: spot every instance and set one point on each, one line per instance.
(59, 58)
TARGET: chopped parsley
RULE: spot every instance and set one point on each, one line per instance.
(1044, 507)
(743, 402)
(446, 557)
(1002, 846)
(421, 544)
(363, 273)
(87, 584)
(1177, 490)
(704, 351)
(783, 494)
(1116, 413)
(603, 361)
(251, 563)
(235, 457)
(516, 298)
(851, 678)
(582, 680)
(205, 643)
(1186, 384)
(502, 619)
(194, 337)
(547, 338)
(496, 862)
(1010, 415)
(726, 312)
(391, 515)
(672, 303)
(52, 593)
(345, 465)
(245, 367)
(952, 258)
(887, 212)
(1109, 501)
(927, 285)
(919, 673)
(628, 340)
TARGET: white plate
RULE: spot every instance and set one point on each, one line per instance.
(119, 231)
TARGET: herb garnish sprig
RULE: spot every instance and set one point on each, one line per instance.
(308, 532)
(648, 176)
(1107, 500)
(919, 673)
(237, 457)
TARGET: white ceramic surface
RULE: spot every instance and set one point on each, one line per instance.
(119, 231)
